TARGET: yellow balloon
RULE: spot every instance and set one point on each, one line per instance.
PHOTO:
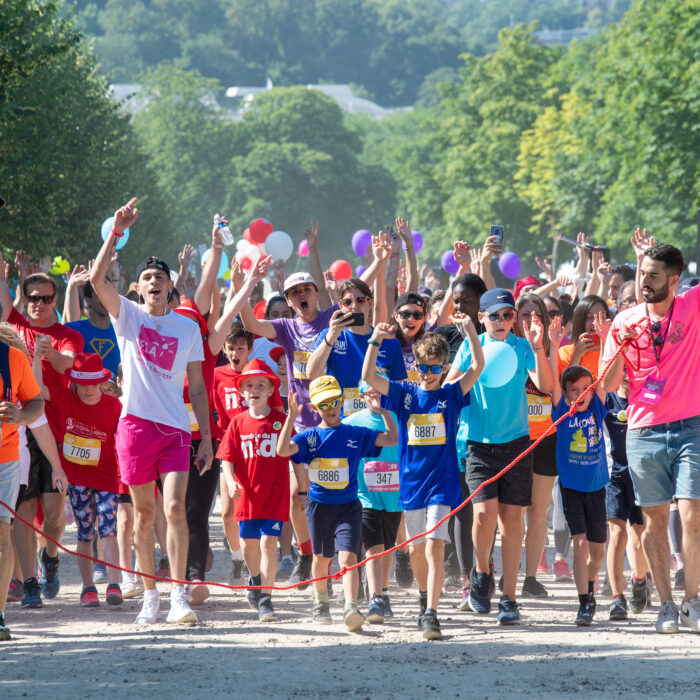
(226, 275)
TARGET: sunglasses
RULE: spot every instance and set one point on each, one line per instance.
(655, 329)
(528, 316)
(330, 404)
(46, 298)
(348, 302)
(435, 369)
(507, 316)
(415, 315)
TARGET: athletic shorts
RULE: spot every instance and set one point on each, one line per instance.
(424, 519)
(585, 513)
(255, 529)
(379, 527)
(484, 461)
(334, 527)
(146, 450)
(124, 498)
(544, 457)
(85, 502)
(619, 498)
(40, 471)
(10, 473)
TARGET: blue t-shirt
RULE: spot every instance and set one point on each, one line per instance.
(101, 341)
(616, 422)
(345, 364)
(428, 420)
(581, 460)
(333, 455)
(498, 415)
(377, 479)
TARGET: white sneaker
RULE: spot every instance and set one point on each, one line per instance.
(180, 610)
(667, 620)
(690, 614)
(131, 588)
(149, 610)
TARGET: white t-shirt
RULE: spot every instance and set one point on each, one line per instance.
(261, 351)
(24, 456)
(155, 351)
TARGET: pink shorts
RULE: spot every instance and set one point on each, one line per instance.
(147, 449)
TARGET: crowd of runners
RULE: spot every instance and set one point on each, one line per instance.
(338, 418)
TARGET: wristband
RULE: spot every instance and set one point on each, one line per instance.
(114, 233)
(395, 256)
(537, 349)
(325, 340)
(302, 493)
(373, 342)
(218, 246)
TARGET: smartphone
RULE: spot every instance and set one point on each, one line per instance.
(497, 231)
(2, 202)
(593, 337)
(356, 319)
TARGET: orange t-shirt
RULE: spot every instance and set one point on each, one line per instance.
(24, 388)
(589, 359)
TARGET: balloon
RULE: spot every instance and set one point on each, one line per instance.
(226, 275)
(242, 244)
(303, 248)
(341, 270)
(417, 241)
(501, 364)
(448, 262)
(246, 235)
(509, 265)
(260, 229)
(246, 263)
(360, 240)
(259, 309)
(360, 270)
(59, 266)
(107, 226)
(223, 266)
(279, 245)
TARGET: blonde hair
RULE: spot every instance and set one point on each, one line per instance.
(9, 335)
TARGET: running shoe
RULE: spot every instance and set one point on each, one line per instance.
(132, 587)
(253, 594)
(388, 612)
(403, 573)
(180, 610)
(690, 613)
(99, 573)
(464, 605)
(479, 595)
(88, 598)
(322, 614)
(430, 625)
(618, 608)
(114, 594)
(4, 629)
(353, 619)
(606, 588)
(163, 569)
(508, 612)
(586, 611)
(198, 593)
(639, 598)
(32, 594)
(422, 607)
(562, 572)
(50, 584)
(301, 571)
(15, 592)
(679, 580)
(532, 588)
(285, 569)
(452, 583)
(266, 613)
(542, 567)
(375, 612)
(235, 578)
(149, 610)
(667, 619)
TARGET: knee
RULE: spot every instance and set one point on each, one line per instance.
(484, 519)
(347, 558)
(144, 518)
(174, 510)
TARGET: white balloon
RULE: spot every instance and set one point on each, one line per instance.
(279, 245)
(241, 245)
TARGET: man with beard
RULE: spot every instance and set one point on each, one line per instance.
(663, 438)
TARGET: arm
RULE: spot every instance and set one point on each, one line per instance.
(311, 234)
(229, 477)
(380, 310)
(200, 407)
(184, 258)
(5, 295)
(39, 375)
(71, 305)
(461, 251)
(202, 297)
(390, 436)
(602, 327)
(404, 229)
(215, 307)
(468, 378)
(541, 376)
(22, 266)
(381, 249)
(30, 411)
(257, 326)
(316, 365)
(392, 274)
(556, 335)
(640, 242)
(285, 446)
(552, 288)
(369, 366)
(491, 247)
(60, 361)
(593, 285)
(546, 267)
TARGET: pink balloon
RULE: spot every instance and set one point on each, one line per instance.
(303, 249)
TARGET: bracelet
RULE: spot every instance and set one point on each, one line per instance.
(537, 349)
(114, 233)
(302, 493)
(373, 342)
(325, 340)
(395, 256)
(218, 246)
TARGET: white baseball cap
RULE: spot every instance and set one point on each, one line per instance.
(298, 278)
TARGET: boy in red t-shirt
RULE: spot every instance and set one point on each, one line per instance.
(257, 480)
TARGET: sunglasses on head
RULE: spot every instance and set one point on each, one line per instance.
(435, 369)
(330, 404)
(506, 316)
(46, 298)
(348, 302)
(415, 315)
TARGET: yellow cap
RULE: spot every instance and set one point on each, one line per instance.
(324, 388)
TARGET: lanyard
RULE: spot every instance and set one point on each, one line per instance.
(657, 353)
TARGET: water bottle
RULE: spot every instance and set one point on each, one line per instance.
(225, 233)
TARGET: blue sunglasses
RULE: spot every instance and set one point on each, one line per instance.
(435, 369)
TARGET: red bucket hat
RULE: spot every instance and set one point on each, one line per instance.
(189, 309)
(257, 368)
(88, 369)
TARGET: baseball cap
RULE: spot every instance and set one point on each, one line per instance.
(496, 299)
(257, 368)
(686, 284)
(298, 278)
(276, 352)
(152, 263)
(324, 388)
(410, 298)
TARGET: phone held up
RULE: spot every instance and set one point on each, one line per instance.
(497, 231)
(355, 319)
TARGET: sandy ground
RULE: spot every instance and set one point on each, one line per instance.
(63, 651)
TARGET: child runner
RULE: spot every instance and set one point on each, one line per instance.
(333, 452)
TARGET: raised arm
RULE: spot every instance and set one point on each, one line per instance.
(285, 446)
(255, 325)
(640, 242)
(404, 229)
(392, 273)
(541, 376)
(380, 310)
(390, 436)
(202, 297)
(468, 378)
(369, 366)
(601, 325)
(461, 251)
(492, 247)
(381, 249)
(556, 335)
(38, 372)
(311, 234)
(71, 306)
(316, 365)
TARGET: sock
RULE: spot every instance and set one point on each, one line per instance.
(255, 580)
(583, 598)
(150, 593)
(321, 596)
(638, 580)
(177, 589)
(305, 548)
(591, 585)
(237, 555)
(350, 604)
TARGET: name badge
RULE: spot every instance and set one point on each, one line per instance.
(381, 476)
(194, 426)
(301, 359)
(539, 408)
(353, 401)
(652, 390)
(80, 450)
(426, 429)
(331, 474)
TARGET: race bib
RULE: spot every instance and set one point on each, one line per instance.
(301, 358)
(413, 376)
(353, 401)
(382, 476)
(80, 450)
(426, 429)
(194, 426)
(330, 473)
(539, 408)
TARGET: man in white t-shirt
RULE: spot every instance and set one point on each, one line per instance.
(158, 348)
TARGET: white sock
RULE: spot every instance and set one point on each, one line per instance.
(237, 555)
(150, 593)
(177, 589)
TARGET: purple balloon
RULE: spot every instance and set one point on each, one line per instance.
(509, 265)
(448, 262)
(360, 240)
(360, 270)
(417, 241)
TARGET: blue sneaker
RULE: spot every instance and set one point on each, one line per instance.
(375, 612)
(508, 612)
(388, 612)
(32, 594)
(50, 584)
(480, 593)
(99, 573)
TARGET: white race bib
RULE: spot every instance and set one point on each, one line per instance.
(80, 450)
(539, 408)
(301, 358)
(353, 401)
(381, 476)
(194, 426)
(330, 473)
(426, 429)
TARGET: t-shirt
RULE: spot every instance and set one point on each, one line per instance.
(251, 445)
(208, 367)
(539, 410)
(333, 456)
(24, 388)
(454, 337)
(86, 438)
(499, 414)
(345, 364)
(377, 479)
(63, 339)
(589, 359)
(299, 340)
(102, 341)
(155, 351)
(427, 420)
(679, 366)
(261, 351)
(581, 461)
(616, 422)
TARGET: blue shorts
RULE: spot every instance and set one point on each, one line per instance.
(664, 461)
(255, 529)
(619, 498)
(334, 526)
(85, 502)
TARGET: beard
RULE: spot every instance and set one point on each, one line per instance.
(654, 296)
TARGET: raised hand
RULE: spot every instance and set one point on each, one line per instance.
(534, 332)
(493, 246)
(45, 263)
(461, 252)
(259, 270)
(311, 235)
(403, 226)
(216, 229)
(22, 261)
(381, 247)
(79, 277)
(237, 275)
(601, 325)
(641, 241)
(461, 320)
(475, 265)
(126, 216)
(383, 330)
(185, 256)
(545, 267)
(293, 409)
(556, 333)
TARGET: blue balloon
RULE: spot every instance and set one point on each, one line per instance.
(222, 267)
(501, 364)
(107, 225)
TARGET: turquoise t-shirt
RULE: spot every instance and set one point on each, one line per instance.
(497, 415)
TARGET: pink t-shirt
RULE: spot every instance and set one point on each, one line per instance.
(679, 366)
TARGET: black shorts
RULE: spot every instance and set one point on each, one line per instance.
(40, 472)
(619, 498)
(124, 498)
(585, 513)
(484, 461)
(334, 526)
(544, 457)
(379, 527)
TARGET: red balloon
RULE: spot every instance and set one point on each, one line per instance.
(260, 229)
(246, 235)
(341, 270)
(259, 309)
(246, 263)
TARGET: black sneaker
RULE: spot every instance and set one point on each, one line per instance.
(430, 625)
(322, 613)
(618, 608)
(679, 580)
(422, 607)
(266, 613)
(480, 593)
(301, 571)
(639, 599)
(388, 612)
(585, 614)
(50, 584)
(253, 594)
(403, 573)
(532, 588)
(32, 594)
(4, 629)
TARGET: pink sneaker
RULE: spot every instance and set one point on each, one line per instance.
(543, 568)
(15, 592)
(561, 571)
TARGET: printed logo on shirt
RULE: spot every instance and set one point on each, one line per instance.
(83, 430)
(578, 442)
(256, 445)
(277, 425)
(157, 349)
(352, 444)
(340, 346)
(311, 441)
(102, 346)
(407, 401)
(442, 405)
(231, 398)
(677, 333)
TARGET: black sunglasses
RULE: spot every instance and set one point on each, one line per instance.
(348, 302)
(415, 315)
(46, 298)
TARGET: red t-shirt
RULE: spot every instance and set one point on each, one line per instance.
(251, 444)
(85, 437)
(62, 339)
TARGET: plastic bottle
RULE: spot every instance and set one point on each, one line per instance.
(224, 231)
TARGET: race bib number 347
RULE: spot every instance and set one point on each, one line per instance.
(381, 476)
(426, 429)
(330, 473)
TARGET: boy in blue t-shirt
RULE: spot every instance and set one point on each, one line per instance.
(333, 451)
(428, 473)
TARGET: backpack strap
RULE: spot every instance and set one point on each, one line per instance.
(5, 371)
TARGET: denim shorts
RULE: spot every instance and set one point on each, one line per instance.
(664, 461)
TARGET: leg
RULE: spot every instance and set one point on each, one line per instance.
(160, 524)
(319, 568)
(174, 490)
(286, 539)
(25, 538)
(125, 530)
(85, 566)
(230, 525)
(464, 520)
(510, 524)
(580, 546)
(419, 564)
(616, 555)
(376, 570)
(537, 522)
(252, 555)
(435, 556)
(656, 548)
(144, 500)
(635, 553)
(268, 562)
(483, 531)
(596, 554)
(351, 580)
(6, 561)
(690, 518)
(54, 520)
(298, 517)
(107, 505)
